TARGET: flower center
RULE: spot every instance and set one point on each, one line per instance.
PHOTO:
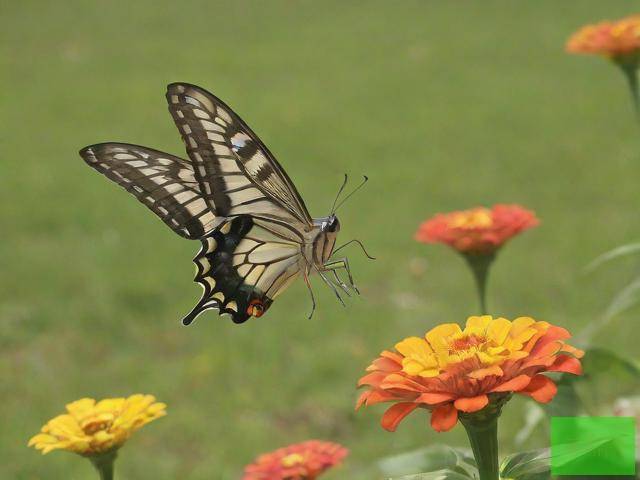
(485, 343)
(466, 343)
(96, 423)
(470, 219)
(292, 460)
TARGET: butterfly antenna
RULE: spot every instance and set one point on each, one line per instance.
(344, 184)
(365, 180)
(358, 242)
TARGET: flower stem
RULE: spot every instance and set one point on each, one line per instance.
(631, 73)
(483, 437)
(104, 464)
(480, 265)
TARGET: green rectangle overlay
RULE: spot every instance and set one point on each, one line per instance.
(593, 446)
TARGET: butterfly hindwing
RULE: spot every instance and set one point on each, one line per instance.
(164, 183)
(242, 268)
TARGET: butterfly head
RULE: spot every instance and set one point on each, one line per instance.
(330, 224)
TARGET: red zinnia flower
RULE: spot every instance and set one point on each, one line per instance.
(616, 40)
(451, 370)
(478, 230)
(300, 461)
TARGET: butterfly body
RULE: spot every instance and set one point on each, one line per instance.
(256, 234)
(326, 233)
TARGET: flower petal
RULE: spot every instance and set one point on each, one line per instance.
(541, 389)
(393, 356)
(477, 325)
(521, 330)
(373, 379)
(395, 414)
(433, 398)
(402, 383)
(437, 336)
(567, 364)
(471, 404)
(413, 346)
(552, 334)
(485, 372)
(371, 397)
(444, 418)
(385, 364)
(514, 385)
(362, 398)
(498, 330)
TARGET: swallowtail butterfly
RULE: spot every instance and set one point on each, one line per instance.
(231, 194)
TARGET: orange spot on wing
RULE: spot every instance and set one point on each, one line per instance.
(256, 308)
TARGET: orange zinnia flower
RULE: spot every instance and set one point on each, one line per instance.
(300, 461)
(452, 370)
(617, 40)
(478, 230)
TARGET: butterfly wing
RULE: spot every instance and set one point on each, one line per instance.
(164, 183)
(230, 162)
(242, 267)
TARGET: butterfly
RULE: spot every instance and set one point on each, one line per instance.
(231, 194)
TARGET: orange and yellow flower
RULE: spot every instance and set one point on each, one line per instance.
(617, 40)
(479, 230)
(91, 428)
(451, 370)
(300, 461)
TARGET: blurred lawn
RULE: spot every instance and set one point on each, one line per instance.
(443, 104)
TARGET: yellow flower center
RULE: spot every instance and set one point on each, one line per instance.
(95, 422)
(618, 30)
(488, 342)
(292, 460)
(470, 219)
(465, 343)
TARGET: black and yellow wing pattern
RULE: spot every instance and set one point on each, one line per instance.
(231, 194)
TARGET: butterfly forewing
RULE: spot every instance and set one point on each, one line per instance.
(230, 162)
(164, 183)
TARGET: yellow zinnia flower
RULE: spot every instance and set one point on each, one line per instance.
(91, 428)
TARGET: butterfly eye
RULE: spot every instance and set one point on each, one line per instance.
(256, 308)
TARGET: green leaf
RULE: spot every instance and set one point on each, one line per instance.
(617, 252)
(627, 298)
(532, 465)
(434, 459)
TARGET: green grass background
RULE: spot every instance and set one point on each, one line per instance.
(444, 105)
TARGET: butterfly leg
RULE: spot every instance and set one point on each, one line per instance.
(331, 285)
(344, 286)
(308, 284)
(339, 264)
